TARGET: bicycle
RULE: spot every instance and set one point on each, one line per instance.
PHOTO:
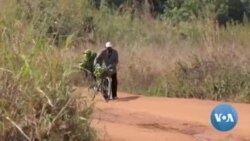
(102, 85)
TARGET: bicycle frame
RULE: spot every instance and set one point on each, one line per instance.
(105, 89)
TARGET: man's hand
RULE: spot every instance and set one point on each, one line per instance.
(110, 66)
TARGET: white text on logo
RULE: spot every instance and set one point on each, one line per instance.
(221, 117)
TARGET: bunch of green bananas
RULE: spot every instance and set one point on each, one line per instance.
(99, 71)
(88, 60)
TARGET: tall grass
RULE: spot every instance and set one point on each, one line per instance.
(38, 100)
(209, 63)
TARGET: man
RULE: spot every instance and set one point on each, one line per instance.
(109, 57)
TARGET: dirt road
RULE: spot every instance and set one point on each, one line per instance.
(139, 118)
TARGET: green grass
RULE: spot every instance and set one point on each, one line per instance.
(37, 97)
(38, 100)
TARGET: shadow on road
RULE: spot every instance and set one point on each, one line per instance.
(128, 98)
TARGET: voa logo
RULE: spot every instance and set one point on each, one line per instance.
(224, 117)
(221, 117)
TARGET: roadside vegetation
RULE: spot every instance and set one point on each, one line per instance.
(167, 48)
(38, 101)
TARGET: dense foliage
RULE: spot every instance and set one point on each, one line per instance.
(88, 61)
(181, 9)
(57, 16)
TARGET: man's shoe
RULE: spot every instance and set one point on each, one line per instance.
(111, 98)
(105, 97)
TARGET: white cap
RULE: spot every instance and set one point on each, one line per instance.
(108, 44)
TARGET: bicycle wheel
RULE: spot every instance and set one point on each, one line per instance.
(91, 93)
(104, 87)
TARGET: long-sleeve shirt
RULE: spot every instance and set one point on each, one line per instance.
(108, 57)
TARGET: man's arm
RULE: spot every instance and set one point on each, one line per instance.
(115, 60)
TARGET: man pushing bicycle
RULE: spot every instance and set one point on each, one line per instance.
(109, 57)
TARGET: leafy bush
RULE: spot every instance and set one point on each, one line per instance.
(88, 60)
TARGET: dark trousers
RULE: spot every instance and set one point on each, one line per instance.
(114, 85)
